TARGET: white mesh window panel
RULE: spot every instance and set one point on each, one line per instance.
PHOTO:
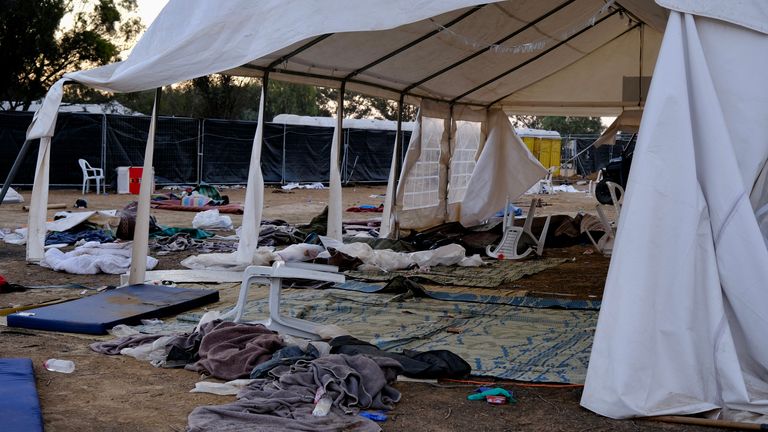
(423, 183)
(463, 162)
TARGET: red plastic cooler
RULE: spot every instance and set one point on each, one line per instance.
(134, 179)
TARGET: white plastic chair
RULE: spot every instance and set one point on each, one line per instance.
(508, 247)
(593, 184)
(545, 185)
(90, 173)
(274, 277)
(605, 244)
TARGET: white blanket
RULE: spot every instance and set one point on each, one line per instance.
(92, 258)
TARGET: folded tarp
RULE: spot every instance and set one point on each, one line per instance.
(19, 404)
(98, 313)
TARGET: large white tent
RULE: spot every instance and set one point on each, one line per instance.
(678, 332)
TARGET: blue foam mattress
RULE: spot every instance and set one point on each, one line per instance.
(100, 312)
(19, 404)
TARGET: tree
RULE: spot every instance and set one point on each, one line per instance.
(357, 105)
(572, 125)
(38, 49)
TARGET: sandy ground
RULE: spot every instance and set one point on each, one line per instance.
(122, 394)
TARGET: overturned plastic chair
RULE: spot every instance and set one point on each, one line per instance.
(511, 241)
(91, 173)
(274, 277)
(605, 244)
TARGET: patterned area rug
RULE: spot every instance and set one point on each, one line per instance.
(509, 342)
(489, 276)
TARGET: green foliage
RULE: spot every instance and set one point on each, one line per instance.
(564, 125)
(572, 125)
(38, 50)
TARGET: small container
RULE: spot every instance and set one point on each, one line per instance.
(323, 407)
(56, 365)
(496, 400)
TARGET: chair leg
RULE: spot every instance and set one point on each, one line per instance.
(84, 181)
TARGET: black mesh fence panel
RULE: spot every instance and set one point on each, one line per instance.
(176, 141)
(13, 128)
(188, 150)
(307, 153)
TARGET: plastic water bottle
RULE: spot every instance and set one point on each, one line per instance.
(323, 407)
(56, 365)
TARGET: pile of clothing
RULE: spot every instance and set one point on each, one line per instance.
(281, 379)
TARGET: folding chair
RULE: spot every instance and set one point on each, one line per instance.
(90, 173)
(605, 244)
(510, 242)
(274, 277)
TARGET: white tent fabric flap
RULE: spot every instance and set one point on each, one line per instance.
(684, 314)
(334, 229)
(254, 195)
(141, 229)
(505, 169)
(627, 122)
(248, 251)
(386, 215)
(12, 197)
(421, 191)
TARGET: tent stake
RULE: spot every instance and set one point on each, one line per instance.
(725, 424)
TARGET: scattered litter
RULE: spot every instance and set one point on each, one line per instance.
(222, 389)
(291, 186)
(566, 188)
(56, 365)
(93, 258)
(495, 393)
(211, 219)
(378, 416)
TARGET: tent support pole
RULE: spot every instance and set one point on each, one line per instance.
(14, 169)
(725, 424)
(141, 230)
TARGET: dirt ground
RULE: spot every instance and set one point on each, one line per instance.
(118, 393)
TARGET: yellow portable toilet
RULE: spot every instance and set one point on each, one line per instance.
(544, 145)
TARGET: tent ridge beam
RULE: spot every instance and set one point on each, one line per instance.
(353, 81)
(488, 48)
(538, 56)
(602, 45)
(298, 50)
(415, 42)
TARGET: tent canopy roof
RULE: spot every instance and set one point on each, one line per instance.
(527, 56)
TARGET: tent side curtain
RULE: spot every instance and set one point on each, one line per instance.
(465, 173)
(682, 323)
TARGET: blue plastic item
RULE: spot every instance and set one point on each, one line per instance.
(19, 404)
(378, 416)
(100, 312)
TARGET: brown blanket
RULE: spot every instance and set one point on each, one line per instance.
(230, 351)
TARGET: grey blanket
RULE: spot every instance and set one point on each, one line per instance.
(230, 351)
(285, 400)
(114, 346)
